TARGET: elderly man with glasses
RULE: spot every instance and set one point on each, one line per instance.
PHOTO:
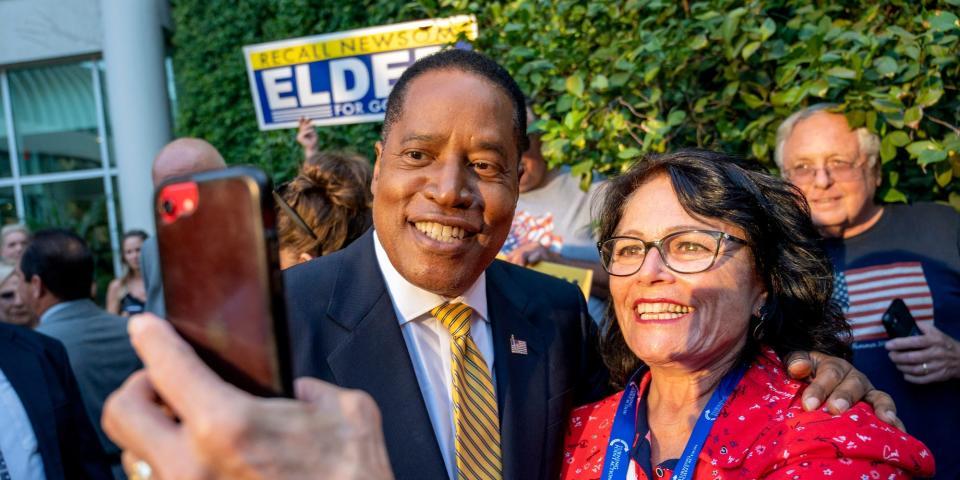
(882, 253)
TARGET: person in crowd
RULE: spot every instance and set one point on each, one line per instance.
(716, 273)
(56, 271)
(406, 309)
(126, 295)
(12, 308)
(552, 221)
(324, 208)
(44, 430)
(182, 156)
(13, 239)
(881, 253)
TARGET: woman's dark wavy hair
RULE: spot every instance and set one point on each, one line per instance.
(331, 193)
(799, 312)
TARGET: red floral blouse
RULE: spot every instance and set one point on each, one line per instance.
(763, 432)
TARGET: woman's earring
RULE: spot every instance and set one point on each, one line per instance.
(761, 315)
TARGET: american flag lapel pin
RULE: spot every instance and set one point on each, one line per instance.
(518, 346)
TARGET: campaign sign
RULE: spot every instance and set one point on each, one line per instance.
(342, 77)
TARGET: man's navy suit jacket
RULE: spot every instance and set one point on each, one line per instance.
(344, 330)
(39, 371)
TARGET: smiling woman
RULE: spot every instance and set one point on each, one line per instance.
(715, 272)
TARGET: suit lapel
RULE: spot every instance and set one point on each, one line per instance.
(25, 373)
(372, 356)
(521, 378)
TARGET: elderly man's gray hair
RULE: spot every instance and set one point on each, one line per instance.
(869, 141)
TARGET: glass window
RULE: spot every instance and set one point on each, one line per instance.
(54, 118)
(4, 144)
(79, 205)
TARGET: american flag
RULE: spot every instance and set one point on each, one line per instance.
(527, 228)
(518, 346)
(865, 293)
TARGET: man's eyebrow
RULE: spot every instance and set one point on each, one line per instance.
(420, 137)
(496, 147)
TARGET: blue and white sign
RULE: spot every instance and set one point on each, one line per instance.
(342, 77)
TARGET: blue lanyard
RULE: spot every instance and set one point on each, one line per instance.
(624, 430)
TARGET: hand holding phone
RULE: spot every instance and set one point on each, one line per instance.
(221, 276)
(898, 321)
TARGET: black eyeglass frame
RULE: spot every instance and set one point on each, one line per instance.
(718, 236)
(297, 219)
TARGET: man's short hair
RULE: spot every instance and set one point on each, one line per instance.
(465, 61)
(869, 141)
(62, 261)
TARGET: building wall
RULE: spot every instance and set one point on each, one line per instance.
(39, 30)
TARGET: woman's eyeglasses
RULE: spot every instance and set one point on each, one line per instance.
(690, 251)
(297, 219)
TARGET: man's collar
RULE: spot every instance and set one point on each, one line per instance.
(412, 301)
(59, 307)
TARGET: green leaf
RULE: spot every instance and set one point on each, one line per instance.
(886, 106)
(751, 100)
(898, 138)
(888, 151)
(619, 79)
(676, 117)
(841, 72)
(599, 82)
(942, 21)
(768, 28)
(748, 50)
(894, 196)
(943, 178)
(651, 73)
(929, 95)
(582, 168)
(574, 84)
(787, 98)
(818, 88)
(628, 153)
(886, 66)
(912, 117)
(916, 148)
(698, 42)
(931, 156)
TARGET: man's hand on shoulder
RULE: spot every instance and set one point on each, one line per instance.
(834, 380)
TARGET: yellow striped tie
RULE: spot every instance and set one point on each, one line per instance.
(474, 403)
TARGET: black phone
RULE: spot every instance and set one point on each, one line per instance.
(898, 321)
(216, 233)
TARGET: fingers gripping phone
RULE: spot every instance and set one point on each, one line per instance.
(898, 321)
(221, 276)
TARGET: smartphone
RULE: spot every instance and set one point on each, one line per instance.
(898, 321)
(216, 233)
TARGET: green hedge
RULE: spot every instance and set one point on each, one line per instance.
(616, 78)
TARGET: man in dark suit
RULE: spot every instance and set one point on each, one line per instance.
(44, 430)
(445, 187)
(57, 271)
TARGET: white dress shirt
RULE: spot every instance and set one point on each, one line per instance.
(18, 443)
(428, 342)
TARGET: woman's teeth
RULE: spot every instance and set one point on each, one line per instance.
(440, 232)
(661, 311)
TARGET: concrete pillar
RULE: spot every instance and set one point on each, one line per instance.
(133, 50)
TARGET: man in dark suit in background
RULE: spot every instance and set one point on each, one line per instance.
(44, 430)
(445, 188)
(57, 271)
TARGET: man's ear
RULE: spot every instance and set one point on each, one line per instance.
(37, 288)
(304, 257)
(378, 148)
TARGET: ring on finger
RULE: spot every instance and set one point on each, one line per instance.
(141, 471)
(925, 369)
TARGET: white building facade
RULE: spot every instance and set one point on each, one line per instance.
(84, 107)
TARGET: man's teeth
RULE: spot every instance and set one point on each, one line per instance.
(437, 231)
(662, 311)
